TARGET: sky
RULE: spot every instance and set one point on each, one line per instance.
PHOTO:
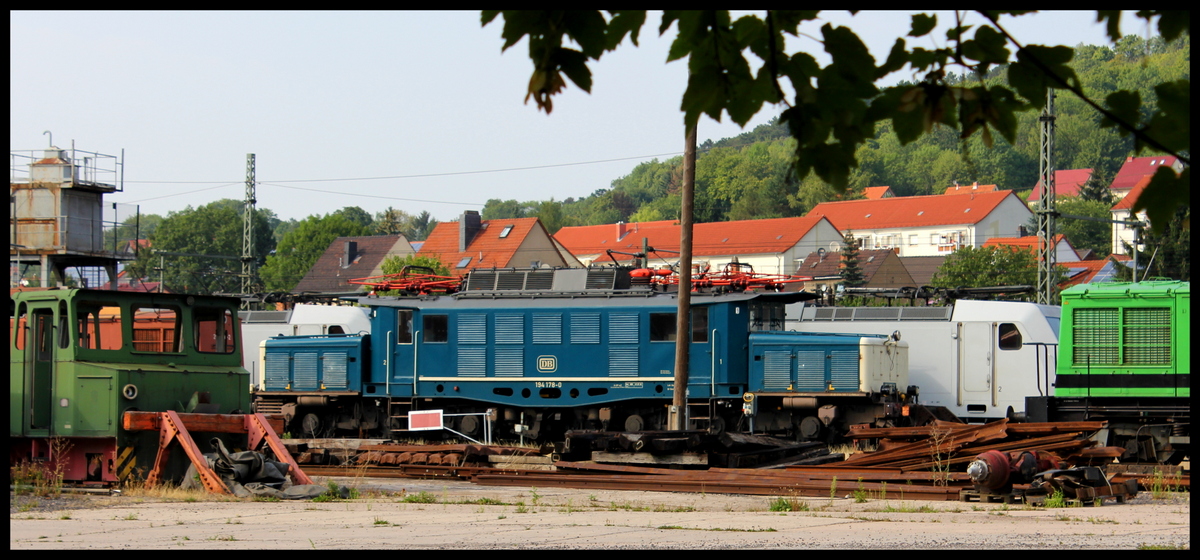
(419, 111)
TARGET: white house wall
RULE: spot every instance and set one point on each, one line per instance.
(940, 240)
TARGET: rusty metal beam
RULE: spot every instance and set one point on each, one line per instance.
(172, 429)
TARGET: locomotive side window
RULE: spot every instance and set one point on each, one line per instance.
(662, 327)
(214, 330)
(1010, 337)
(436, 328)
(699, 324)
(766, 316)
(404, 323)
(157, 329)
(98, 325)
(64, 330)
(19, 327)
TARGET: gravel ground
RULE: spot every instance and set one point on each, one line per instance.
(407, 513)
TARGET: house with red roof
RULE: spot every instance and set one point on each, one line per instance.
(878, 192)
(472, 243)
(1067, 182)
(1063, 250)
(1123, 233)
(770, 246)
(927, 225)
(1089, 271)
(350, 258)
(968, 189)
(1135, 168)
(881, 268)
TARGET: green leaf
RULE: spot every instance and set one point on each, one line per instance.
(896, 60)
(587, 28)
(1171, 23)
(1124, 105)
(1028, 81)
(922, 24)
(624, 22)
(848, 51)
(1114, 23)
(574, 65)
(1165, 193)
(988, 46)
(1055, 60)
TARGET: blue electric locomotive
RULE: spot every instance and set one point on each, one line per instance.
(542, 351)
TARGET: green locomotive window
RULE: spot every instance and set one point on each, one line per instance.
(20, 322)
(214, 330)
(64, 329)
(157, 329)
(662, 327)
(98, 325)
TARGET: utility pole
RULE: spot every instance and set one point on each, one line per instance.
(248, 273)
(1045, 215)
(683, 332)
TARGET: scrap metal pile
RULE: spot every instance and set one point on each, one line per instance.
(998, 461)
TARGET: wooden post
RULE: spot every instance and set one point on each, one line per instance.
(677, 418)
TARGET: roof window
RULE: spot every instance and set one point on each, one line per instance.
(464, 262)
(507, 229)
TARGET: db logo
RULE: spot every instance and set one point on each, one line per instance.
(547, 364)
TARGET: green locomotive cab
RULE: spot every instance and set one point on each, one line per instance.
(79, 359)
(1124, 356)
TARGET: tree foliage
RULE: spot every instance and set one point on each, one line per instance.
(1167, 254)
(215, 229)
(851, 273)
(396, 263)
(836, 108)
(300, 248)
(1001, 265)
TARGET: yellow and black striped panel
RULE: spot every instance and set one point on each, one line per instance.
(127, 464)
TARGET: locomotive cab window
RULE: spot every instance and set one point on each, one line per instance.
(404, 324)
(662, 327)
(1009, 336)
(766, 316)
(157, 329)
(699, 324)
(19, 327)
(436, 328)
(214, 330)
(98, 325)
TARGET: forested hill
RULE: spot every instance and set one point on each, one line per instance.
(749, 176)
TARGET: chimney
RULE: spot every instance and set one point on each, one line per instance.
(1021, 231)
(975, 185)
(468, 226)
(349, 249)
(621, 231)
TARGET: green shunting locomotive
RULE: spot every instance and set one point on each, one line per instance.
(1124, 356)
(79, 359)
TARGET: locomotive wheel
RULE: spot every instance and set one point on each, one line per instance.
(311, 425)
(810, 428)
(469, 425)
(634, 423)
(716, 426)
